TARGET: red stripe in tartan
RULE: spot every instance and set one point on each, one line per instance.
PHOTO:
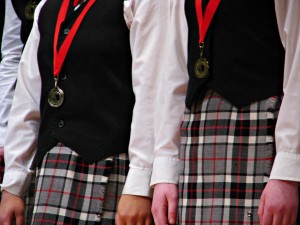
(52, 180)
(216, 222)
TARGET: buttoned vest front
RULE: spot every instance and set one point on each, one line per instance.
(243, 47)
(95, 117)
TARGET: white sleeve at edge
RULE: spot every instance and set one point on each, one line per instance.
(11, 53)
(287, 133)
(24, 119)
(148, 37)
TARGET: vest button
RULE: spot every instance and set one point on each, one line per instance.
(66, 31)
(61, 123)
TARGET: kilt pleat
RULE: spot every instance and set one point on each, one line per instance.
(227, 155)
(71, 191)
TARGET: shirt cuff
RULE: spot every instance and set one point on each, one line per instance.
(17, 182)
(165, 170)
(286, 166)
(138, 183)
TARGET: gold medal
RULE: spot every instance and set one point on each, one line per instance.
(56, 96)
(29, 10)
(201, 66)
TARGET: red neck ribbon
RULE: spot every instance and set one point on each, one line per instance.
(204, 21)
(60, 55)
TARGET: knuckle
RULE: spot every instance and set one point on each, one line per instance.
(278, 208)
(154, 210)
(121, 214)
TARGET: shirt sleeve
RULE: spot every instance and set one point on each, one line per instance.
(287, 134)
(171, 104)
(24, 119)
(11, 51)
(159, 44)
(148, 23)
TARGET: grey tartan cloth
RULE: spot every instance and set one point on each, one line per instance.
(71, 191)
(227, 155)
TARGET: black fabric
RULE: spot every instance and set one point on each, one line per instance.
(95, 117)
(26, 25)
(2, 13)
(244, 51)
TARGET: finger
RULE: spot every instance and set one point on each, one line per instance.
(20, 220)
(141, 222)
(287, 221)
(119, 221)
(8, 221)
(160, 215)
(172, 210)
(267, 218)
(277, 219)
(149, 221)
(261, 208)
(292, 219)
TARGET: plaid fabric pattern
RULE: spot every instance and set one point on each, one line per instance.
(71, 191)
(29, 201)
(227, 155)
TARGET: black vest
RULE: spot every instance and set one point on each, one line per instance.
(95, 117)
(2, 13)
(244, 51)
(26, 24)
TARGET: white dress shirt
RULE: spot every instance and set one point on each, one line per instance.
(158, 38)
(148, 24)
(11, 52)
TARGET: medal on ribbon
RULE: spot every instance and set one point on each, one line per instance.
(56, 95)
(29, 10)
(201, 67)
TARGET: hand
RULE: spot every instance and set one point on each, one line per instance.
(279, 203)
(164, 205)
(11, 208)
(134, 210)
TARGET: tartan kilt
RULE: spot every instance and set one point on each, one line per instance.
(71, 191)
(226, 155)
